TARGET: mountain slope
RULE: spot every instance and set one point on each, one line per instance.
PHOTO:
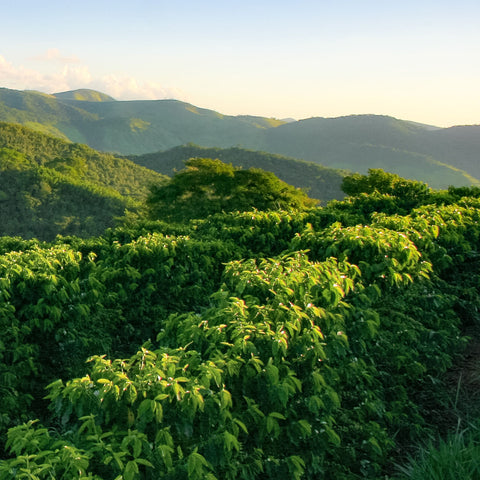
(440, 157)
(360, 142)
(49, 186)
(132, 127)
(320, 182)
(84, 94)
(81, 161)
(137, 127)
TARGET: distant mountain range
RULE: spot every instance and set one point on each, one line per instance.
(438, 156)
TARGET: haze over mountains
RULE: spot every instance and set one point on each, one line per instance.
(438, 156)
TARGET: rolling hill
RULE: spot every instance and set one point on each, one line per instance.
(438, 156)
(320, 182)
(49, 186)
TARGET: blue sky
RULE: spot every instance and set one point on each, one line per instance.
(415, 60)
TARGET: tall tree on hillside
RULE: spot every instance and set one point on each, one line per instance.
(208, 186)
(380, 181)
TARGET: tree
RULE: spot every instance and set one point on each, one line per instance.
(380, 181)
(208, 186)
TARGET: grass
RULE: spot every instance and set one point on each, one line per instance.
(455, 457)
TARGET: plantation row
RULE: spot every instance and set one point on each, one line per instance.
(243, 346)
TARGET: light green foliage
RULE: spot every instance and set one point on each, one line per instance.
(384, 256)
(275, 344)
(380, 181)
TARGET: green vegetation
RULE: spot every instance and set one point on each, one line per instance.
(441, 157)
(209, 186)
(85, 95)
(361, 142)
(319, 182)
(50, 187)
(265, 344)
(458, 456)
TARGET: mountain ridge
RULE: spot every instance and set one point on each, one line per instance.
(84, 94)
(438, 156)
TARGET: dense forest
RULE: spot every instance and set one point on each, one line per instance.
(49, 186)
(278, 340)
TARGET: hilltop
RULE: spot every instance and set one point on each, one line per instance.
(85, 95)
(439, 157)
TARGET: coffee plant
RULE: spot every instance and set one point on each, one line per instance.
(245, 345)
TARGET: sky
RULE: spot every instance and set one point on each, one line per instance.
(414, 60)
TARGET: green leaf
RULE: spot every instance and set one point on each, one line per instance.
(131, 470)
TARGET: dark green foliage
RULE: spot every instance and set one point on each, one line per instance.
(45, 307)
(78, 161)
(209, 186)
(50, 187)
(154, 275)
(42, 203)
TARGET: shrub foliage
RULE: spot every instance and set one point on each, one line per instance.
(252, 345)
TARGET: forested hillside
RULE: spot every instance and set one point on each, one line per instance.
(438, 156)
(320, 182)
(129, 127)
(50, 186)
(361, 142)
(301, 344)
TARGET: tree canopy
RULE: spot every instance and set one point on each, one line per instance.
(208, 186)
(380, 181)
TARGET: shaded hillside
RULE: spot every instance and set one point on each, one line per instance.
(50, 187)
(79, 161)
(462, 144)
(320, 182)
(41, 203)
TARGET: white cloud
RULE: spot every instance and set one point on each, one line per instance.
(11, 76)
(76, 76)
(124, 87)
(67, 73)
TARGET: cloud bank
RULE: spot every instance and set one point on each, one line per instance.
(68, 73)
